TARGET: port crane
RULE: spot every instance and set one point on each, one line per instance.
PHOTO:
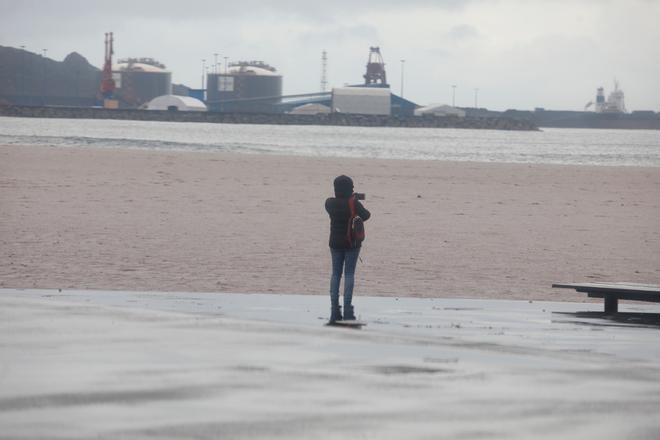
(107, 82)
(375, 68)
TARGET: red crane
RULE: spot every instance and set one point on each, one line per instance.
(107, 83)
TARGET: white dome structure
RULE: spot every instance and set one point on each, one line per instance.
(440, 110)
(176, 102)
(311, 109)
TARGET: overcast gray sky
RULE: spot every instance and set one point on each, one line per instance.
(519, 54)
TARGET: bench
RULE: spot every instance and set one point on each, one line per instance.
(613, 292)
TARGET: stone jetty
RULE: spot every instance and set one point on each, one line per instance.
(336, 119)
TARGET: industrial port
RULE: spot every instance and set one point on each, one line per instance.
(254, 87)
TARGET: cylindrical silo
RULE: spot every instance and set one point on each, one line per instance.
(139, 80)
(247, 86)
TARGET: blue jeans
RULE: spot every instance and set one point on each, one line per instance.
(343, 260)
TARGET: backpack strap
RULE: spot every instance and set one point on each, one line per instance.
(351, 207)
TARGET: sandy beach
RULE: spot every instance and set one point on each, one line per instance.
(218, 222)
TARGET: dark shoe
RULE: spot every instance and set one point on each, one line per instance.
(348, 313)
(335, 314)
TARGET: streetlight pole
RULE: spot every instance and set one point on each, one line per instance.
(203, 73)
(453, 95)
(476, 94)
(226, 64)
(402, 66)
(215, 63)
(207, 70)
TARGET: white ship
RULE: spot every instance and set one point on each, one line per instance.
(615, 103)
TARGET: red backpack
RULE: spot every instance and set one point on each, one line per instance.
(355, 234)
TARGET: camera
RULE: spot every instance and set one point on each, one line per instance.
(360, 196)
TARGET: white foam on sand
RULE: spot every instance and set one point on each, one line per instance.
(81, 364)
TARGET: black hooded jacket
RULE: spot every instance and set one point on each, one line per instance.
(339, 212)
(339, 215)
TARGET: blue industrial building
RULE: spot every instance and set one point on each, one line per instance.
(400, 107)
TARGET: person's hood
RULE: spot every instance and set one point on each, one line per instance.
(343, 186)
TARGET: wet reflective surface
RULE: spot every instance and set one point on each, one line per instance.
(80, 364)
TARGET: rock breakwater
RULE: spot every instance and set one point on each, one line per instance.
(337, 119)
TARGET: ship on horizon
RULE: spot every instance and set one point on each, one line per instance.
(615, 102)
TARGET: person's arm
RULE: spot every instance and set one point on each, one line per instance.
(362, 211)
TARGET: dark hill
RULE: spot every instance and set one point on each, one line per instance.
(27, 78)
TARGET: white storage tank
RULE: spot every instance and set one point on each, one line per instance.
(362, 100)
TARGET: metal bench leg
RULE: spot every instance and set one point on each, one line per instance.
(611, 304)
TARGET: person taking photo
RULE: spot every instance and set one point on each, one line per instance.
(345, 243)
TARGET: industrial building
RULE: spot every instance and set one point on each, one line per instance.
(247, 86)
(139, 80)
(244, 86)
(398, 106)
(33, 79)
(362, 100)
(254, 86)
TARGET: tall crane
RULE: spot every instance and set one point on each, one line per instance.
(375, 68)
(107, 82)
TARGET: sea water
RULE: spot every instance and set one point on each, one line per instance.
(548, 146)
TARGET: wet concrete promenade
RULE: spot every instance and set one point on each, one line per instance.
(81, 364)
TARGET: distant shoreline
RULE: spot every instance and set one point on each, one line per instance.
(332, 119)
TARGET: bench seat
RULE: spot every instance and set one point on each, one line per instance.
(613, 292)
